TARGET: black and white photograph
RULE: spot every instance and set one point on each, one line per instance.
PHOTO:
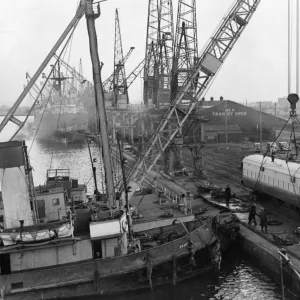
(149, 149)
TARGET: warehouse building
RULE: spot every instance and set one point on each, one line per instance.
(239, 121)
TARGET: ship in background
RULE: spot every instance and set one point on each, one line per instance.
(61, 113)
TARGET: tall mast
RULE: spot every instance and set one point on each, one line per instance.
(93, 12)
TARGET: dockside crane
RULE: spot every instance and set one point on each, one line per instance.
(207, 67)
(151, 59)
(186, 45)
(165, 49)
(135, 73)
(108, 83)
(119, 81)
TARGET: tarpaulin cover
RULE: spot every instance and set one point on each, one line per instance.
(16, 200)
(11, 154)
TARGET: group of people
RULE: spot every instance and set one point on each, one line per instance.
(262, 215)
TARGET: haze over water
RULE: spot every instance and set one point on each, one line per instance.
(238, 280)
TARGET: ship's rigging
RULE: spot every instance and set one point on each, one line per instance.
(207, 66)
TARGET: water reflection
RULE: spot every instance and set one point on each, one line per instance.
(239, 280)
(65, 156)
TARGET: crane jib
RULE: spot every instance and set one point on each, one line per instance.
(209, 64)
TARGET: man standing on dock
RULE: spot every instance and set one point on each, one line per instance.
(252, 214)
(263, 220)
(227, 194)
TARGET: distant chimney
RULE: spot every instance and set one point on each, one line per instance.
(211, 98)
(221, 98)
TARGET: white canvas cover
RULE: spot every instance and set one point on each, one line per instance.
(15, 197)
(13, 184)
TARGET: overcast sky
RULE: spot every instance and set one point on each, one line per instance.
(256, 69)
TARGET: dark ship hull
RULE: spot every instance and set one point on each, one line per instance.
(63, 127)
(194, 254)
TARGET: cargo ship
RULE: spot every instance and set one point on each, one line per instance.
(62, 114)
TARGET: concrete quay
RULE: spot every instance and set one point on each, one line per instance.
(260, 247)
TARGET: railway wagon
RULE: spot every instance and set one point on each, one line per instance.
(277, 179)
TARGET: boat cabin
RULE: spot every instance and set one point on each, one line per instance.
(61, 177)
(50, 203)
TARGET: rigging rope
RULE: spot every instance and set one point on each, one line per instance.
(60, 54)
(262, 162)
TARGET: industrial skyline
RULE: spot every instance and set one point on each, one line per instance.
(256, 70)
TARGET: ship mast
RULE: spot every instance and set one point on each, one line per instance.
(93, 12)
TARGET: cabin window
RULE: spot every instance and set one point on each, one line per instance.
(245, 172)
(55, 201)
(5, 264)
(265, 178)
(270, 181)
(251, 174)
(280, 184)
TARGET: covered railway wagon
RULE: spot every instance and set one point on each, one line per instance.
(277, 179)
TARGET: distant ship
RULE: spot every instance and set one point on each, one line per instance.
(61, 121)
(61, 115)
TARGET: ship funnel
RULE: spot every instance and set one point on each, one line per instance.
(15, 184)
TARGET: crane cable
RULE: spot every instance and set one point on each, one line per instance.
(289, 77)
(265, 154)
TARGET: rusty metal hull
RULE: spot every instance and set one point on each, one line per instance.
(167, 263)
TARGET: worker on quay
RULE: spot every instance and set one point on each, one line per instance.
(272, 154)
(263, 220)
(227, 194)
(252, 214)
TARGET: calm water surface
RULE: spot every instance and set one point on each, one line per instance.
(238, 280)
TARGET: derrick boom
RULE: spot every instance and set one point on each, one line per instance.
(135, 73)
(208, 65)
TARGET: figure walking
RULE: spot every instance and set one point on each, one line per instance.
(252, 214)
(227, 194)
(263, 221)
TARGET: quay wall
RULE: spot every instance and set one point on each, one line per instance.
(265, 255)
